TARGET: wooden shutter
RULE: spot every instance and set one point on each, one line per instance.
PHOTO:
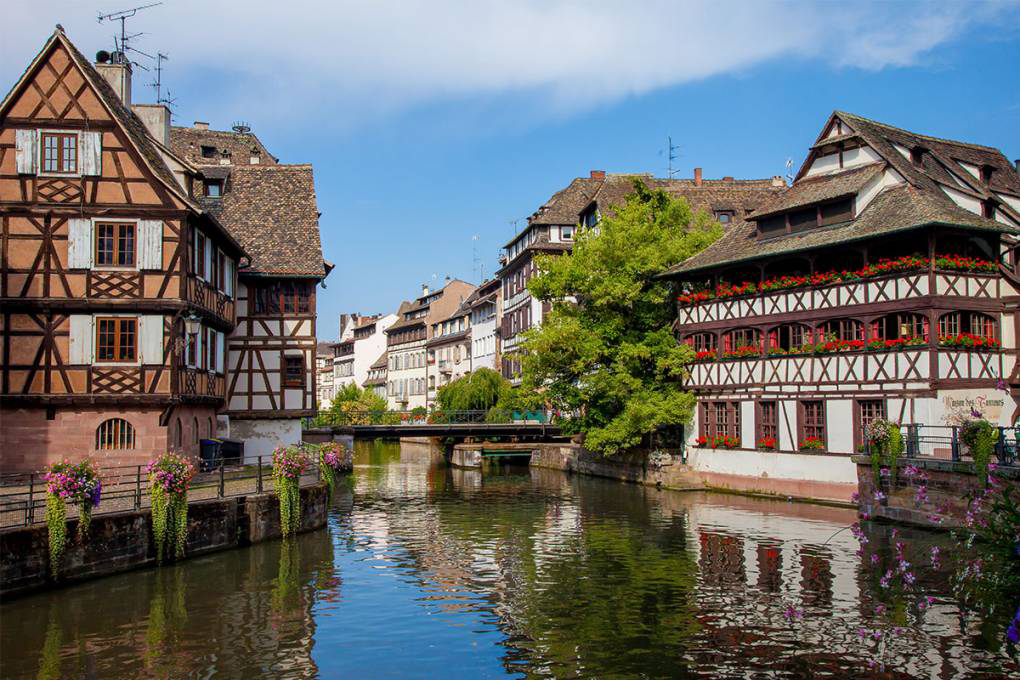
(80, 350)
(200, 348)
(221, 344)
(229, 278)
(90, 151)
(150, 244)
(27, 151)
(79, 243)
(208, 261)
(150, 334)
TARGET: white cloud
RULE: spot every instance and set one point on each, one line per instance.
(363, 59)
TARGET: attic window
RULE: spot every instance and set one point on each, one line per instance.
(725, 216)
(803, 219)
(208, 151)
(834, 213)
(772, 226)
(988, 208)
(917, 156)
(214, 188)
(986, 173)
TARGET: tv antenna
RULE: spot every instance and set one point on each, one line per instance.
(789, 170)
(123, 16)
(475, 260)
(671, 155)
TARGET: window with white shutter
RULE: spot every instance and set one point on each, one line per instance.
(151, 338)
(26, 152)
(79, 243)
(80, 339)
(90, 150)
(150, 244)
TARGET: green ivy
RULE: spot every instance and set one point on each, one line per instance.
(56, 523)
(169, 521)
(984, 447)
(289, 492)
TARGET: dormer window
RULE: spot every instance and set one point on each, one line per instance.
(986, 173)
(590, 217)
(208, 151)
(567, 233)
(988, 208)
(802, 219)
(725, 216)
(214, 188)
(917, 156)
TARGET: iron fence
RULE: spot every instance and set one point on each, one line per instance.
(126, 487)
(946, 441)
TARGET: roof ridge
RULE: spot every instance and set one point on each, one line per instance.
(918, 134)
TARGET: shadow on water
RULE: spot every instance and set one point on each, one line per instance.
(431, 571)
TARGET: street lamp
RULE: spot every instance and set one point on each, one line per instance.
(192, 324)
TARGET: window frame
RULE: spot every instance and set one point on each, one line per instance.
(807, 429)
(762, 427)
(208, 184)
(117, 345)
(60, 135)
(287, 378)
(201, 243)
(860, 427)
(115, 434)
(116, 246)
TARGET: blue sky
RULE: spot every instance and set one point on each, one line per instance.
(431, 123)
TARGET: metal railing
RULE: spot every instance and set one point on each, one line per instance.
(126, 487)
(946, 441)
(439, 417)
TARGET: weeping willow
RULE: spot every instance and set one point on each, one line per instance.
(56, 523)
(169, 521)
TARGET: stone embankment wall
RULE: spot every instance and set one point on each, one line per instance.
(814, 477)
(948, 487)
(122, 541)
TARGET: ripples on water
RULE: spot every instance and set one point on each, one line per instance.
(427, 571)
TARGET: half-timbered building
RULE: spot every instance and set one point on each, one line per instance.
(117, 286)
(552, 228)
(271, 209)
(882, 284)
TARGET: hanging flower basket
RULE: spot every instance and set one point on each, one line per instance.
(76, 483)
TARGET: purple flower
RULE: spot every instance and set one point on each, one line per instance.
(975, 413)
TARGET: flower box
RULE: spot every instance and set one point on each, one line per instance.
(812, 444)
(968, 341)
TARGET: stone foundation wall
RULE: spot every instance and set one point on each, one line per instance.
(633, 467)
(948, 487)
(122, 541)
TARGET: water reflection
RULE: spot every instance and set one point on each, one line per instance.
(427, 571)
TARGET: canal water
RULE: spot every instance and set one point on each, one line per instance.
(430, 572)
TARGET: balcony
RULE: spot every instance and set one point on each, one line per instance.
(899, 286)
(199, 383)
(445, 366)
(213, 301)
(833, 371)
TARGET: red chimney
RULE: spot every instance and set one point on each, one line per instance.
(697, 177)
(598, 174)
(728, 178)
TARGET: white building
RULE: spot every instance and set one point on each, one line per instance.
(449, 350)
(484, 322)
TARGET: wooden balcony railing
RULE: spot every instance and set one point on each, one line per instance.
(216, 302)
(899, 286)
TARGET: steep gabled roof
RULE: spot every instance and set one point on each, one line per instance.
(916, 200)
(187, 142)
(273, 212)
(150, 151)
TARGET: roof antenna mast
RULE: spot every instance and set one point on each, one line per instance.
(671, 155)
(123, 16)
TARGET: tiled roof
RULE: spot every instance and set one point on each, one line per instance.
(187, 142)
(381, 361)
(895, 209)
(401, 322)
(812, 190)
(449, 337)
(324, 349)
(272, 211)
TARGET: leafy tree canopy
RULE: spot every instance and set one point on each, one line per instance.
(349, 406)
(606, 352)
(479, 391)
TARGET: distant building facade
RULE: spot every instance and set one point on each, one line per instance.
(484, 304)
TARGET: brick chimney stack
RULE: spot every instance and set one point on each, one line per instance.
(201, 125)
(697, 177)
(598, 174)
(778, 181)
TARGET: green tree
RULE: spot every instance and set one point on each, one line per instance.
(350, 405)
(479, 391)
(606, 352)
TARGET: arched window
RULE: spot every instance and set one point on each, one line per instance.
(742, 340)
(115, 433)
(841, 329)
(789, 337)
(701, 342)
(975, 323)
(195, 429)
(900, 326)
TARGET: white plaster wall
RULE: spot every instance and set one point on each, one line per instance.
(482, 330)
(793, 466)
(787, 435)
(839, 418)
(972, 169)
(747, 437)
(367, 350)
(823, 164)
(954, 406)
(862, 155)
(963, 200)
(262, 436)
(1011, 201)
(870, 190)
